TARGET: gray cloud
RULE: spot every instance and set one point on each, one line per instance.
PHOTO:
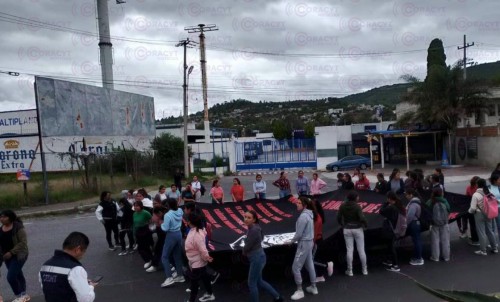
(342, 41)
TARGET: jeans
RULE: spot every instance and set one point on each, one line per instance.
(485, 231)
(440, 242)
(260, 196)
(172, 247)
(111, 225)
(303, 256)
(351, 235)
(15, 275)
(257, 263)
(284, 193)
(497, 221)
(195, 275)
(414, 232)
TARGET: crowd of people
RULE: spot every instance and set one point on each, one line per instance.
(170, 232)
(182, 231)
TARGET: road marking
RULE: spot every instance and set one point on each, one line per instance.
(82, 217)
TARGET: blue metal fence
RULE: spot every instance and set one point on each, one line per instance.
(276, 154)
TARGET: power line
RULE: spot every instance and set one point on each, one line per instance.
(4, 17)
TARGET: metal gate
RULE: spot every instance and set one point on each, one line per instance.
(276, 154)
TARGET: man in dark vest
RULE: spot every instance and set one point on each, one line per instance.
(63, 277)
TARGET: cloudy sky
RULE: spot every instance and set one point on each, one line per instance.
(263, 50)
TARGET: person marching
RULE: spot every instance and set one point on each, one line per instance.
(352, 220)
(14, 247)
(302, 184)
(304, 236)
(198, 258)
(107, 214)
(255, 253)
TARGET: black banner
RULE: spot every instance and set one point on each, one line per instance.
(278, 217)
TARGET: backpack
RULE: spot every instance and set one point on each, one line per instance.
(400, 228)
(439, 214)
(490, 206)
(425, 217)
(202, 189)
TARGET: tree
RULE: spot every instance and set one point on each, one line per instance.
(169, 150)
(444, 97)
(279, 130)
(436, 58)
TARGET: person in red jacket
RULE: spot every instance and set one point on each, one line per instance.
(363, 183)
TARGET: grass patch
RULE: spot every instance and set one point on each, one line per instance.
(66, 187)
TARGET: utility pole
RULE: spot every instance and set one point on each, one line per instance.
(201, 28)
(185, 43)
(466, 45)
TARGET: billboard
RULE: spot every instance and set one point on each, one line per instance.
(18, 122)
(73, 109)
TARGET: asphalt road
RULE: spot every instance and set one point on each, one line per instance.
(125, 279)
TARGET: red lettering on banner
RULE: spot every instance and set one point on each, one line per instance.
(240, 210)
(228, 223)
(235, 218)
(372, 208)
(363, 204)
(452, 215)
(278, 211)
(211, 219)
(261, 218)
(266, 212)
(327, 205)
(336, 205)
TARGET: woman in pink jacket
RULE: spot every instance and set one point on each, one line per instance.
(317, 184)
(198, 258)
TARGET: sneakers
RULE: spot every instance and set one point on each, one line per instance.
(151, 269)
(123, 253)
(188, 290)
(180, 279)
(174, 274)
(23, 298)
(297, 295)
(329, 268)
(434, 259)
(312, 290)
(169, 281)
(147, 265)
(131, 251)
(349, 273)
(494, 251)
(393, 268)
(112, 247)
(135, 247)
(207, 297)
(364, 271)
(387, 263)
(320, 279)
(481, 253)
(473, 243)
(417, 261)
(215, 277)
(463, 235)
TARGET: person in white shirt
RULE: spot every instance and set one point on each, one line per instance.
(259, 187)
(64, 276)
(196, 188)
(146, 202)
(162, 192)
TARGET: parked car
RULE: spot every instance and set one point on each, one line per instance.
(349, 162)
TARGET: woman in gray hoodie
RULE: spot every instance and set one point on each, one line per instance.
(304, 236)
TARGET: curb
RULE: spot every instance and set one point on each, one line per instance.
(56, 212)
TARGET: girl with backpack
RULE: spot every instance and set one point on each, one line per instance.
(414, 212)
(392, 210)
(484, 226)
(440, 229)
